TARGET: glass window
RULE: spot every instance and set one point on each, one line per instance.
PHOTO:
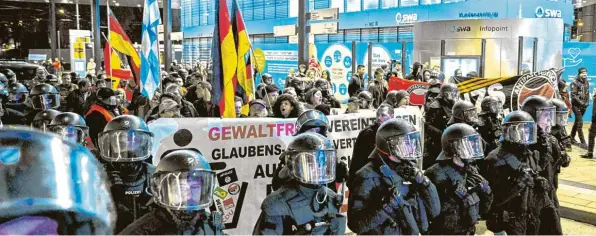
(194, 49)
(293, 8)
(247, 10)
(320, 4)
(405, 34)
(407, 3)
(321, 38)
(281, 39)
(269, 10)
(353, 35)
(388, 34)
(258, 38)
(370, 35)
(338, 4)
(371, 4)
(429, 2)
(336, 38)
(452, 1)
(195, 12)
(259, 6)
(281, 9)
(353, 5)
(388, 3)
(203, 12)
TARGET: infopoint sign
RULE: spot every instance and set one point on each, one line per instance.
(542, 12)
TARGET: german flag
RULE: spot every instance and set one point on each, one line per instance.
(244, 71)
(121, 43)
(225, 61)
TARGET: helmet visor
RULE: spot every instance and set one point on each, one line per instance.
(125, 145)
(562, 118)
(405, 147)
(469, 147)
(191, 190)
(17, 98)
(452, 95)
(69, 132)
(41, 125)
(470, 115)
(494, 107)
(311, 119)
(522, 133)
(317, 167)
(46, 101)
(546, 118)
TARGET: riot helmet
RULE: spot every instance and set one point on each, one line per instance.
(323, 86)
(463, 141)
(3, 80)
(542, 110)
(43, 118)
(366, 99)
(52, 80)
(385, 112)
(267, 79)
(11, 76)
(353, 104)
(464, 111)
(17, 93)
(562, 112)
(51, 187)
(311, 159)
(257, 108)
(106, 97)
(449, 92)
(491, 105)
(402, 98)
(70, 126)
(391, 98)
(519, 128)
(45, 96)
(299, 84)
(312, 121)
(126, 138)
(183, 180)
(399, 140)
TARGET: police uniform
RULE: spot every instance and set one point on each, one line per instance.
(437, 117)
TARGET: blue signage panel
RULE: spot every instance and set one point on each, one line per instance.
(279, 60)
(577, 55)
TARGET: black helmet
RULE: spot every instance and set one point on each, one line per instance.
(42, 174)
(401, 94)
(45, 96)
(398, 138)
(464, 111)
(384, 112)
(17, 93)
(449, 92)
(461, 140)
(43, 118)
(70, 126)
(366, 99)
(311, 159)
(542, 110)
(178, 170)
(3, 79)
(323, 86)
(562, 112)
(519, 128)
(312, 121)
(126, 138)
(267, 79)
(51, 79)
(490, 105)
(107, 98)
(391, 98)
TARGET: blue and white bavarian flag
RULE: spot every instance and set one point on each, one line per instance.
(150, 74)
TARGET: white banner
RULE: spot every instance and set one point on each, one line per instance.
(244, 153)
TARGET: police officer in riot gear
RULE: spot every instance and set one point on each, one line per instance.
(439, 113)
(45, 195)
(489, 122)
(125, 146)
(464, 193)
(366, 100)
(391, 99)
(70, 126)
(559, 131)
(100, 113)
(43, 118)
(520, 193)
(182, 187)
(580, 100)
(42, 96)
(365, 142)
(463, 112)
(390, 195)
(14, 105)
(304, 205)
(547, 147)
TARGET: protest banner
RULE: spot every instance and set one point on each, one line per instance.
(244, 153)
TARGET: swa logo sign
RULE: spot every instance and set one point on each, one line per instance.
(547, 13)
(455, 29)
(405, 18)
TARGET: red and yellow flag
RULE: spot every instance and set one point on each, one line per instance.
(225, 61)
(121, 43)
(244, 70)
(113, 66)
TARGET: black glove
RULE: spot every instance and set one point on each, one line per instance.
(341, 172)
(115, 178)
(460, 190)
(525, 179)
(412, 174)
(395, 199)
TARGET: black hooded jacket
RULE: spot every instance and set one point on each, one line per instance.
(277, 106)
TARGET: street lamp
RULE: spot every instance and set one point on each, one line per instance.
(61, 11)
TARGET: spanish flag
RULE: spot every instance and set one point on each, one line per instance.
(225, 61)
(121, 43)
(113, 66)
(244, 71)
